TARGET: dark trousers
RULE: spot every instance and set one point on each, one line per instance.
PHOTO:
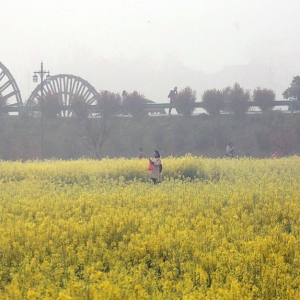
(154, 180)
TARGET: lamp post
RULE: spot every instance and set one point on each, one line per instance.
(41, 73)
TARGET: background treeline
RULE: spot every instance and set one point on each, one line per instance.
(103, 133)
(256, 135)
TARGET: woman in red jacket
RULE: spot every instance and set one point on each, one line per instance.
(155, 162)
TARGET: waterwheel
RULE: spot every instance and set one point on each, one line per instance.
(65, 88)
(9, 92)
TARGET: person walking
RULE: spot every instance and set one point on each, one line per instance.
(172, 95)
(155, 162)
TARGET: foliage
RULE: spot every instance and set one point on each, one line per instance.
(109, 103)
(185, 101)
(212, 229)
(213, 101)
(293, 92)
(95, 132)
(51, 105)
(264, 98)
(237, 99)
(135, 104)
(79, 107)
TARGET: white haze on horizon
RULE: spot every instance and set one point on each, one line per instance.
(153, 45)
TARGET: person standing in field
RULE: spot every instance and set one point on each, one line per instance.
(275, 154)
(229, 150)
(155, 162)
(123, 100)
(172, 95)
(141, 153)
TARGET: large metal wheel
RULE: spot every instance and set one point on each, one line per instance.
(9, 92)
(66, 87)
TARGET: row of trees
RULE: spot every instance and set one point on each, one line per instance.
(234, 99)
(231, 99)
(108, 104)
(95, 134)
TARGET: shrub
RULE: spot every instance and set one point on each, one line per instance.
(237, 99)
(135, 104)
(51, 107)
(213, 101)
(185, 101)
(79, 107)
(264, 98)
(293, 93)
(109, 103)
(294, 90)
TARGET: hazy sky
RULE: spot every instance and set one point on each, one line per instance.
(150, 45)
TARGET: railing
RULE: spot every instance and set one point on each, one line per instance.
(149, 106)
(200, 104)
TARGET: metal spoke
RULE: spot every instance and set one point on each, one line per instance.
(9, 90)
(67, 87)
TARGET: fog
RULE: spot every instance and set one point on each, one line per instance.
(152, 46)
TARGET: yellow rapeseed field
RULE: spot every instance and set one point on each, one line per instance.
(212, 229)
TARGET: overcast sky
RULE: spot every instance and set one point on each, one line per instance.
(151, 45)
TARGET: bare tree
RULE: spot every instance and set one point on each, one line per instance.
(25, 148)
(20, 138)
(285, 140)
(95, 132)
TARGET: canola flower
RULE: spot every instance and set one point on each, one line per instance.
(212, 229)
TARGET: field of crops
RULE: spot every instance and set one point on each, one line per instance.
(212, 229)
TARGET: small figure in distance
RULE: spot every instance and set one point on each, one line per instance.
(229, 150)
(155, 161)
(141, 153)
(275, 154)
(123, 99)
(172, 95)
